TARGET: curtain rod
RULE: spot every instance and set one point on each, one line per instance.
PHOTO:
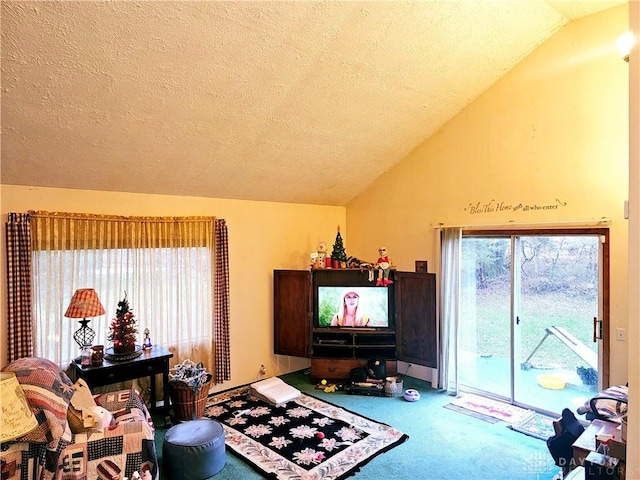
(513, 223)
(119, 218)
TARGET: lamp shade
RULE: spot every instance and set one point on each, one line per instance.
(84, 303)
(17, 419)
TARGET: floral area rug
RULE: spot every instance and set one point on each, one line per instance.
(305, 438)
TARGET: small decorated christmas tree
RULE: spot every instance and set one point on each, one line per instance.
(338, 252)
(123, 328)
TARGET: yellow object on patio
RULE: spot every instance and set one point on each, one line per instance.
(551, 381)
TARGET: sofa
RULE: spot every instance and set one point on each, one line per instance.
(109, 438)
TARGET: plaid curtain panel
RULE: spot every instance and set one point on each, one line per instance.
(18, 234)
(221, 298)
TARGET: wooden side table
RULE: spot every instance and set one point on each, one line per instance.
(149, 364)
(587, 441)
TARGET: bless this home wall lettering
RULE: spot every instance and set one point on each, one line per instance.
(493, 206)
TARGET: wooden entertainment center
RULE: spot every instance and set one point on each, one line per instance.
(334, 351)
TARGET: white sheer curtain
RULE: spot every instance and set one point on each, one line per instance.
(165, 266)
(451, 242)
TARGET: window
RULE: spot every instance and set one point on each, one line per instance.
(165, 265)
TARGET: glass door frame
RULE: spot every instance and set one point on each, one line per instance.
(604, 292)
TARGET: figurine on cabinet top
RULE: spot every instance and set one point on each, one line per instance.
(384, 267)
(322, 254)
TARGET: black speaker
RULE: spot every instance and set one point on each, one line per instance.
(358, 374)
(377, 369)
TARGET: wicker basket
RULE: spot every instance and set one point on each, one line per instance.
(393, 387)
(183, 400)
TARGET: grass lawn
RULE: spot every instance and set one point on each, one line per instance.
(485, 325)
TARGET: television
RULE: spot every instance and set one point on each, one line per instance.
(353, 306)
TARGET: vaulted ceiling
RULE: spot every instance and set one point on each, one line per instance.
(286, 101)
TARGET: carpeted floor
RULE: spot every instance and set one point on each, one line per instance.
(442, 444)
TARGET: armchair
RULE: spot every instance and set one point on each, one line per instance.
(55, 449)
(609, 404)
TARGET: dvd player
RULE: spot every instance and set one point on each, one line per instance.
(329, 341)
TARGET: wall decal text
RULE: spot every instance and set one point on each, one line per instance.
(493, 207)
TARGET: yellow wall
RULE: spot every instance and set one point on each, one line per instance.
(262, 237)
(553, 131)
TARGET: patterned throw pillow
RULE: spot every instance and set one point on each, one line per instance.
(48, 391)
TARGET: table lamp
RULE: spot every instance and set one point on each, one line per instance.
(84, 303)
(17, 419)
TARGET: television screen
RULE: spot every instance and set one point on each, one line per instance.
(353, 307)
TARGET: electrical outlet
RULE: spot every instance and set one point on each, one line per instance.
(621, 334)
(263, 370)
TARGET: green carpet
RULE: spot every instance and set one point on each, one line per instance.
(443, 444)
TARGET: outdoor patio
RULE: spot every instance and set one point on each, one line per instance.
(491, 374)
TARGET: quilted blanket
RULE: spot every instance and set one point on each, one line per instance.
(53, 451)
(48, 391)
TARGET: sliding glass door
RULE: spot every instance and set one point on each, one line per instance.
(529, 301)
(484, 350)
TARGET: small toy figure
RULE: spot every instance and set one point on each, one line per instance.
(322, 254)
(146, 344)
(384, 267)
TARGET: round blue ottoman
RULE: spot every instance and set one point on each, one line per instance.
(193, 450)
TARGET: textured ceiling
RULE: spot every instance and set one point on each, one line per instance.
(291, 101)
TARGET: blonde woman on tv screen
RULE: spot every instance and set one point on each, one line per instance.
(349, 314)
